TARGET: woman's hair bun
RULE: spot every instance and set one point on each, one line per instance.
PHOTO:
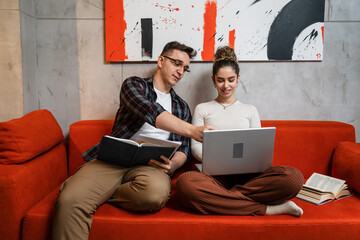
(225, 53)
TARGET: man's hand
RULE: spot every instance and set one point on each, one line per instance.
(167, 166)
(168, 122)
(197, 132)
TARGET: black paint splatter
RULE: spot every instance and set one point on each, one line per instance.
(312, 35)
(255, 2)
(137, 23)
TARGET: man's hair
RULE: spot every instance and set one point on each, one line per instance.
(174, 45)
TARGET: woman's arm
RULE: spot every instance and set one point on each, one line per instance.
(255, 118)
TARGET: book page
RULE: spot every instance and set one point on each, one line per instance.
(155, 141)
(325, 183)
(123, 140)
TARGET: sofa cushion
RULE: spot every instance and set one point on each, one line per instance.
(308, 145)
(336, 220)
(25, 138)
(83, 135)
(346, 164)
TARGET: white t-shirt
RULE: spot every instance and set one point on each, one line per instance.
(234, 116)
(164, 100)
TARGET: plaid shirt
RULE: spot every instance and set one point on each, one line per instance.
(137, 106)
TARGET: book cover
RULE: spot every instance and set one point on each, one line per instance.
(129, 153)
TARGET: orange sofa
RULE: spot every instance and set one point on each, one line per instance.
(29, 185)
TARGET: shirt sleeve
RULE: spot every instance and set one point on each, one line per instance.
(133, 96)
(185, 141)
(255, 119)
(197, 120)
(91, 153)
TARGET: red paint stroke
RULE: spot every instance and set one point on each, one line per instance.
(232, 39)
(167, 8)
(115, 26)
(225, 5)
(322, 30)
(209, 30)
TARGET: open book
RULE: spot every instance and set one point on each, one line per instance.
(130, 153)
(320, 189)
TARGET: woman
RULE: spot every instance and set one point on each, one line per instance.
(246, 194)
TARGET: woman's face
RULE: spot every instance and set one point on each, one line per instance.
(226, 81)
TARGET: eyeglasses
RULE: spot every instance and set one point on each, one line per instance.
(178, 63)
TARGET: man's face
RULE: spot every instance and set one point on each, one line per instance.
(173, 65)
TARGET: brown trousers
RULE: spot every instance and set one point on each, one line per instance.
(246, 194)
(141, 188)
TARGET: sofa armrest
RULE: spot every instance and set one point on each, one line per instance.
(23, 185)
(346, 164)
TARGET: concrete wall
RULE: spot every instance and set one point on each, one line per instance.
(29, 55)
(74, 82)
(11, 92)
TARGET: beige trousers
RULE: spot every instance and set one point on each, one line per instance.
(141, 188)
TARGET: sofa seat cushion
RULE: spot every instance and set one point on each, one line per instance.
(25, 138)
(346, 164)
(336, 220)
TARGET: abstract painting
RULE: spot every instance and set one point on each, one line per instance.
(258, 30)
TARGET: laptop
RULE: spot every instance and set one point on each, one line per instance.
(237, 151)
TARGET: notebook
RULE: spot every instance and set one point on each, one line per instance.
(237, 151)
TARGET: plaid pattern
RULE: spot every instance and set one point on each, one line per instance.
(137, 106)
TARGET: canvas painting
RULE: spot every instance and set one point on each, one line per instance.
(258, 30)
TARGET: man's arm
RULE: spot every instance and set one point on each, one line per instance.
(132, 96)
(171, 123)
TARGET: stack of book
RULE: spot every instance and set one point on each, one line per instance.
(320, 189)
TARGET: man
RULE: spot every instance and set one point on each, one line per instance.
(149, 106)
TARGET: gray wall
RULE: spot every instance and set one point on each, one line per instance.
(28, 52)
(11, 92)
(64, 69)
(50, 59)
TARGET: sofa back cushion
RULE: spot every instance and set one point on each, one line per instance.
(83, 135)
(27, 137)
(308, 145)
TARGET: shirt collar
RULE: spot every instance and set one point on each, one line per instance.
(150, 80)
